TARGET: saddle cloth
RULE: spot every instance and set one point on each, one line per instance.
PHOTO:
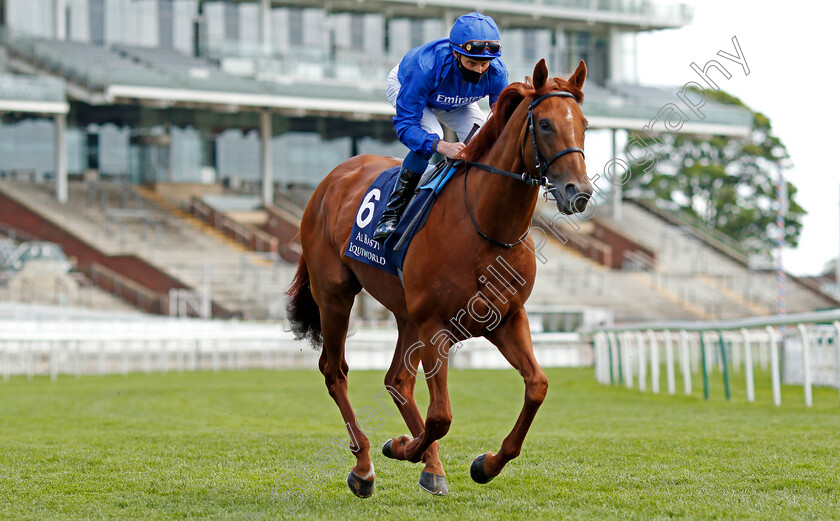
(363, 248)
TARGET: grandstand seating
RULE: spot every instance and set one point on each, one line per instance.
(568, 278)
(184, 248)
(73, 289)
(95, 67)
(690, 280)
(723, 281)
(165, 59)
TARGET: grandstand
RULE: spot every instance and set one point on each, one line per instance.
(687, 278)
(178, 244)
(690, 279)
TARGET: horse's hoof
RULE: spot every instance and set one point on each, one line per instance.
(477, 470)
(433, 484)
(358, 486)
(386, 449)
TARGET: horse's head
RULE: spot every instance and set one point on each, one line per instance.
(553, 141)
(537, 127)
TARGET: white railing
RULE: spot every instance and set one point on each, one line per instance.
(82, 346)
(29, 347)
(800, 349)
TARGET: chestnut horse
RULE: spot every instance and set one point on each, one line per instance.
(477, 222)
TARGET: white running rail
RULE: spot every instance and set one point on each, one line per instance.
(87, 343)
(806, 345)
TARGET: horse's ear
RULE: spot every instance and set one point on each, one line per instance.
(579, 76)
(540, 74)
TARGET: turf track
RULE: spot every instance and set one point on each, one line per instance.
(211, 446)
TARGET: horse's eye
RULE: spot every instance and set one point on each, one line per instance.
(545, 124)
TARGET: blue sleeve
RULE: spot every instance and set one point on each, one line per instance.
(411, 101)
(498, 82)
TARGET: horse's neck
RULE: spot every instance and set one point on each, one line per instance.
(503, 206)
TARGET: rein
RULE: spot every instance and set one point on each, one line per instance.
(539, 161)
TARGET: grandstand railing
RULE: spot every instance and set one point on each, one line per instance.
(126, 289)
(250, 236)
(14, 234)
(285, 226)
(722, 242)
(808, 353)
(718, 240)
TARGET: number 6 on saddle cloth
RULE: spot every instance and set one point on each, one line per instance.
(389, 255)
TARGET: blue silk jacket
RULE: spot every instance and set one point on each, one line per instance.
(429, 76)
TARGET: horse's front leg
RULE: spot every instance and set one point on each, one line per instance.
(439, 413)
(513, 338)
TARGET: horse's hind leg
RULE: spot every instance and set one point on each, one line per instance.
(335, 300)
(514, 342)
(439, 413)
(399, 382)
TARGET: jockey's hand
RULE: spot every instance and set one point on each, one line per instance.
(450, 150)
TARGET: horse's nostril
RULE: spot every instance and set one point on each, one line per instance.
(580, 201)
(577, 199)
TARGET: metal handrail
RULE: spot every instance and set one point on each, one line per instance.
(640, 258)
(814, 317)
(719, 240)
(137, 294)
(15, 234)
(252, 237)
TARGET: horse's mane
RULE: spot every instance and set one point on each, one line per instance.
(509, 99)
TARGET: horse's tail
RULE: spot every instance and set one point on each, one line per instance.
(301, 308)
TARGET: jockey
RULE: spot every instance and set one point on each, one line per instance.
(443, 79)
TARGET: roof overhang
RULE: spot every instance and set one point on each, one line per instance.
(228, 101)
(34, 107)
(352, 109)
(711, 129)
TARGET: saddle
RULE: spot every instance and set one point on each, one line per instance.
(390, 255)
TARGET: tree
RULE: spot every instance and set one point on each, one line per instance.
(729, 184)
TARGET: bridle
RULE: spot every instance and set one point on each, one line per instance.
(540, 164)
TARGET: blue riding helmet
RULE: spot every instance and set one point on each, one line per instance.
(475, 35)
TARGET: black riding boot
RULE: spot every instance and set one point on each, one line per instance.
(406, 183)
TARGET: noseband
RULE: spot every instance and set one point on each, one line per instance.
(539, 161)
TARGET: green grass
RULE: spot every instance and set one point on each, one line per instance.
(204, 445)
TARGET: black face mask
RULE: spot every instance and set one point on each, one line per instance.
(470, 76)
